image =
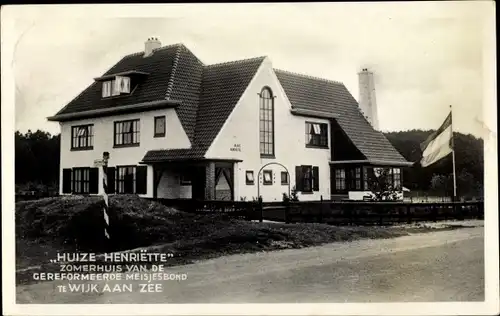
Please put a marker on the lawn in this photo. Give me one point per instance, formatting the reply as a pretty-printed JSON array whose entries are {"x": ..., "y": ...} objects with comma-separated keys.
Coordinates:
[{"x": 75, "y": 224}]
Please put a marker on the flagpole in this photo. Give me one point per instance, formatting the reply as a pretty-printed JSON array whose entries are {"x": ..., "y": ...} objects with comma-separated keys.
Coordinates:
[{"x": 453, "y": 157}]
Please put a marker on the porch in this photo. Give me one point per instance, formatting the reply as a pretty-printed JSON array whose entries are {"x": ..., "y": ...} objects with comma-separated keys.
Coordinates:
[
  {"x": 194, "y": 179},
  {"x": 353, "y": 179}
]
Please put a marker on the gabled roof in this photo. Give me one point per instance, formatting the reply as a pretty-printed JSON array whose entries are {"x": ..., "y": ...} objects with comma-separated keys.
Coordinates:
[
  {"x": 172, "y": 73},
  {"x": 204, "y": 96},
  {"x": 222, "y": 86},
  {"x": 326, "y": 96}
]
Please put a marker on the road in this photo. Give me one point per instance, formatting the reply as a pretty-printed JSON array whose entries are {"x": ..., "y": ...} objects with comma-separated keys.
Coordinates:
[{"x": 438, "y": 266}]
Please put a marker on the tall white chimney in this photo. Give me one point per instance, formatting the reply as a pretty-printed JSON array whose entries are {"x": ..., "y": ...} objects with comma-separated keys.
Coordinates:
[
  {"x": 150, "y": 45},
  {"x": 367, "y": 99}
]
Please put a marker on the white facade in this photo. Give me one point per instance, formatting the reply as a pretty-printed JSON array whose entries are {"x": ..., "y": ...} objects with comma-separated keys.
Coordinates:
[
  {"x": 241, "y": 131},
  {"x": 237, "y": 146},
  {"x": 103, "y": 140}
]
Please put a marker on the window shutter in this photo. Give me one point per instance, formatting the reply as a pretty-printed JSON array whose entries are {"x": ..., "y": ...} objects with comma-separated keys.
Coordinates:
[
  {"x": 141, "y": 179},
  {"x": 315, "y": 173},
  {"x": 94, "y": 180},
  {"x": 111, "y": 179},
  {"x": 66, "y": 183},
  {"x": 299, "y": 179}
]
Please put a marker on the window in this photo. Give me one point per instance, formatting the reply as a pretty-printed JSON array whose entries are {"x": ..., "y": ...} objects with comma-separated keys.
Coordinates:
[
  {"x": 284, "y": 177},
  {"x": 267, "y": 177},
  {"x": 130, "y": 179},
  {"x": 307, "y": 183},
  {"x": 396, "y": 173},
  {"x": 365, "y": 178},
  {"x": 307, "y": 178},
  {"x": 357, "y": 179},
  {"x": 393, "y": 176},
  {"x": 316, "y": 135},
  {"x": 81, "y": 181},
  {"x": 127, "y": 133},
  {"x": 266, "y": 123},
  {"x": 106, "y": 89},
  {"x": 340, "y": 179},
  {"x": 125, "y": 180},
  {"x": 249, "y": 177},
  {"x": 160, "y": 126},
  {"x": 119, "y": 85},
  {"x": 82, "y": 137}
]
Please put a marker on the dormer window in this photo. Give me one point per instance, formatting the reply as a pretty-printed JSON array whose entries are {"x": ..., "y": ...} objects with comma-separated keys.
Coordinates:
[{"x": 118, "y": 86}]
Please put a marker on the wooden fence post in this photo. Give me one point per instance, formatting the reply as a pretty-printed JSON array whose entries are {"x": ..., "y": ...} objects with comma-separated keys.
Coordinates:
[
  {"x": 408, "y": 213},
  {"x": 261, "y": 210},
  {"x": 351, "y": 213},
  {"x": 320, "y": 217},
  {"x": 287, "y": 211},
  {"x": 380, "y": 211}
]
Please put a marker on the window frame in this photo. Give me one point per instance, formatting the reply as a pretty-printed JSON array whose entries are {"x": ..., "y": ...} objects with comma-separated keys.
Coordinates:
[
  {"x": 161, "y": 134},
  {"x": 118, "y": 180},
  {"x": 113, "y": 92},
  {"x": 266, "y": 123},
  {"x": 89, "y": 137},
  {"x": 322, "y": 136},
  {"x": 267, "y": 172},
  {"x": 398, "y": 176},
  {"x": 309, "y": 181},
  {"x": 82, "y": 182},
  {"x": 137, "y": 133},
  {"x": 249, "y": 182},
  {"x": 341, "y": 180},
  {"x": 287, "y": 178},
  {"x": 355, "y": 179},
  {"x": 392, "y": 178}
]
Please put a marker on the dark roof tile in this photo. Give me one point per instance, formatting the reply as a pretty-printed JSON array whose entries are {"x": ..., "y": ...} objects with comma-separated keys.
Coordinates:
[{"x": 310, "y": 93}]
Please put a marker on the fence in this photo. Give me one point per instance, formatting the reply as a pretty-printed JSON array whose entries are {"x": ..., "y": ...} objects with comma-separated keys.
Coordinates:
[
  {"x": 334, "y": 212},
  {"x": 34, "y": 196}
]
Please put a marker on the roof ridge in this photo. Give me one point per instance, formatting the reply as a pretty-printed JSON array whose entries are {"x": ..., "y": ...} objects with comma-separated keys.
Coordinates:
[
  {"x": 309, "y": 76},
  {"x": 179, "y": 45},
  {"x": 191, "y": 52},
  {"x": 235, "y": 61},
  {"x": 174, "y": 68},
  {"x": 154, "y": 50}
]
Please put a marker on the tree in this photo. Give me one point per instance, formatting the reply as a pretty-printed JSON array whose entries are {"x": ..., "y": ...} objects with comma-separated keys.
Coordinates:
[
  {"x": 468, "y": 156},
  {"x": 37, "y": 160}
]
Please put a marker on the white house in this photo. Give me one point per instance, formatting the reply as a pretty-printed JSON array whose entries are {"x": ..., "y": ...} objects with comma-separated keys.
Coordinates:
[{"x": 177, "y": 128}]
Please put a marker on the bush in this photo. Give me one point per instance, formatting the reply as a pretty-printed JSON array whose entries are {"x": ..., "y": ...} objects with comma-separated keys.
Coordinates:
[{"x": 79, "y": 221}]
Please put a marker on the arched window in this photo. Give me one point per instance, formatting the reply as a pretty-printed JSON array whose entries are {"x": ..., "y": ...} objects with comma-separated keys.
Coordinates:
[{"x": 266, "y": 123}]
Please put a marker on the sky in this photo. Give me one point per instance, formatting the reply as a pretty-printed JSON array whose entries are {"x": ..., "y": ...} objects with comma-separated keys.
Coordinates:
[{"x": 425, "y": 56}]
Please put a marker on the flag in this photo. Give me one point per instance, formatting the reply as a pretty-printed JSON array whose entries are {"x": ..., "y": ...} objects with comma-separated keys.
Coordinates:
[{"x": 438, "y": 145}]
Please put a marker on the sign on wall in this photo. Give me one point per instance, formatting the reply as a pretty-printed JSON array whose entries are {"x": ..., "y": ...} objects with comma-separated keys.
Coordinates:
[{"x": 236, "y": 147}]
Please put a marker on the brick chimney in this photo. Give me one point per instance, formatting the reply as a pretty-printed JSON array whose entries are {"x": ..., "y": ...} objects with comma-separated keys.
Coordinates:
[{"x": 150, "y": 45}]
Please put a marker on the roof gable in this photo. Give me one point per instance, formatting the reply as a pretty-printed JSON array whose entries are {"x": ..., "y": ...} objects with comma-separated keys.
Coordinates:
[
  {"x": 222, "y": 86},
  {"x": 310, "y": 93}
]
